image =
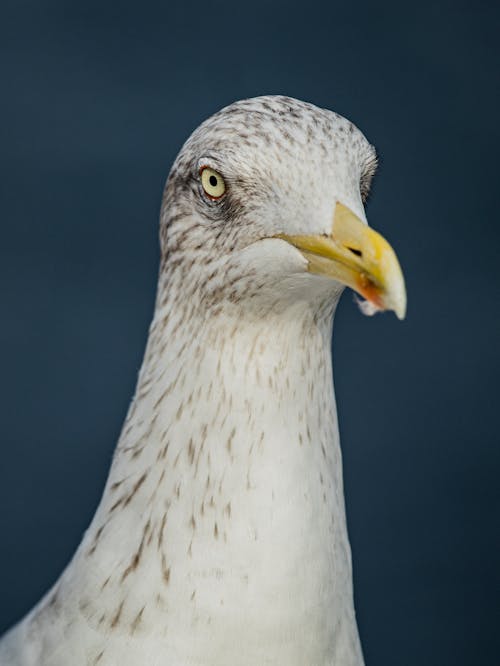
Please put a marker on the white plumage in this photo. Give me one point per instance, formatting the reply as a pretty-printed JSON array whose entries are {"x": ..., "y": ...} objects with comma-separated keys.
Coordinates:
[{"x": 221, "y": 538}]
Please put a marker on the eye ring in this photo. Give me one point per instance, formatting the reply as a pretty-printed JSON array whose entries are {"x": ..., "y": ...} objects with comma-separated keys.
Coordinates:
[{"x": 213, "y": 183}]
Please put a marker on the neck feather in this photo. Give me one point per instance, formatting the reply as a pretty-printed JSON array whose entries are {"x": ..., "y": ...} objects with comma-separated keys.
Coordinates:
[{"x": 225, "y": 494}]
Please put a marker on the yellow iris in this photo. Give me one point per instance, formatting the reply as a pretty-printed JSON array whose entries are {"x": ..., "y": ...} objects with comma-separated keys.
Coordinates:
[{"x": 213, "y": 183}]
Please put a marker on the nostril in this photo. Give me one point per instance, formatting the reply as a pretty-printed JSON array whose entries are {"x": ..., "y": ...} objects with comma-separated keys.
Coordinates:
[{"x": 358, "y": 253}]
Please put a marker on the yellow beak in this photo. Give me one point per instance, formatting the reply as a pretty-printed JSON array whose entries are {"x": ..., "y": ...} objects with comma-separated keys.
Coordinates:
[{"x": 358, "y": 257}]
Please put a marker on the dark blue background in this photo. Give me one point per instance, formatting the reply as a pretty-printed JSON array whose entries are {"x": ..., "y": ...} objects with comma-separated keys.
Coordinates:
[{"x": 96, "y": 100}]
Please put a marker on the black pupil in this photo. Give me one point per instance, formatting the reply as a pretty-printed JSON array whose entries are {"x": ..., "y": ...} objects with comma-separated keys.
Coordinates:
[{"x": 213, "y": 181}]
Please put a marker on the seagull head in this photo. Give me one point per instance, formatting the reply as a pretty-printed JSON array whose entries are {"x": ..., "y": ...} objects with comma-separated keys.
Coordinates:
[{"x": 266, "y": 201}]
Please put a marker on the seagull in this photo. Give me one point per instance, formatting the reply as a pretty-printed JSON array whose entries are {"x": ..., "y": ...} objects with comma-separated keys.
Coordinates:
[{"x": 221, "y": 537}]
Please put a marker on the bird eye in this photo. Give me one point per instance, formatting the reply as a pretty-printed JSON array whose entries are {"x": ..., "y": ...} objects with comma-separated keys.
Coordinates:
[{"x": 212, "y": 182}]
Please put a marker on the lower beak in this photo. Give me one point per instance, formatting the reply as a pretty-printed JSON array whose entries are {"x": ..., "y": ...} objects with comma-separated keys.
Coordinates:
[{"x": 358, "y": 257}]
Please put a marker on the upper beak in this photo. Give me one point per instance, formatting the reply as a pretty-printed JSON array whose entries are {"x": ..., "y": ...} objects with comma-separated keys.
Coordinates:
[{"x": 358, "y": 257}]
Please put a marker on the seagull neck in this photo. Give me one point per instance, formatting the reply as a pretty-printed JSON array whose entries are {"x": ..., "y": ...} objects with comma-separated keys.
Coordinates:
[{"x": 226, "y": 486}]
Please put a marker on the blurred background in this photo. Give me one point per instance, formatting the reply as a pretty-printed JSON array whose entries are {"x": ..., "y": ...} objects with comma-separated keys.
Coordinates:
[{"x": 96, "y": 100}]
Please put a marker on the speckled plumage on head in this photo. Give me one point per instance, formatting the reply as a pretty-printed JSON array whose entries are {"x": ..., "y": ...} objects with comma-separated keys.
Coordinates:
[
  {"x": 221, "y": 539},
  {"x": 276, "y": 154}
]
